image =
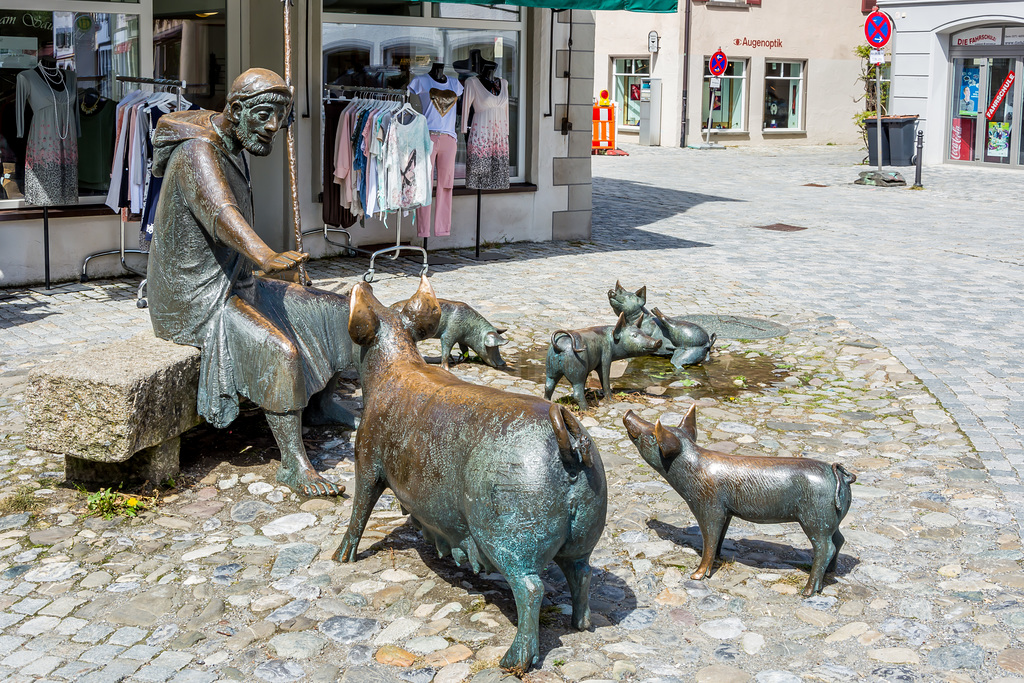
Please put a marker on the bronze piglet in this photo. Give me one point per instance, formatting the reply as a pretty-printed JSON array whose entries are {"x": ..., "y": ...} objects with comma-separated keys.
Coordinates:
[
  {"x": 717, "y": 486},
  {"x": 505, "y": 481},
  {"x": 574, "y": 354},
  {"x": 461, "y": 324},
  {"x": 687, "y": 343}
]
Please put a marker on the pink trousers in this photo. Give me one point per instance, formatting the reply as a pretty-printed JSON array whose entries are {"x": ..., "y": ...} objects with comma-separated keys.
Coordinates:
[{"x": 442, "y": 158}]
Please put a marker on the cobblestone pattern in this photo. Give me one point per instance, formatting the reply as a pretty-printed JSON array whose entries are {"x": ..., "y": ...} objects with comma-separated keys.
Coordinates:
[{"x": 231, "y": 578}]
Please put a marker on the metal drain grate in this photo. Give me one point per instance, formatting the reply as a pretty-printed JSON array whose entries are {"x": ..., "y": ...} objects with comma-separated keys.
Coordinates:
[
  {"x": 780, "y": 227},
  {"x": 737, "y": 327}
]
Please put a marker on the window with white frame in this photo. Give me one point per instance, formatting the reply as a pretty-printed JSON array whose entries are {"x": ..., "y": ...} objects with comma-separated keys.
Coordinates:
[
  {"x": 401, "y": 40},
  {"x": 626, "y": 91},
  {"x": 724, "y": 106},
  {"x": 783, "y": 96},
  {"x": 88, "y": 49}
]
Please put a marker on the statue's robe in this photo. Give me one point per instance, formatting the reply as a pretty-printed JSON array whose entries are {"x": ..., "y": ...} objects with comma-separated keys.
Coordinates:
[{"x": 272, "y": 342}]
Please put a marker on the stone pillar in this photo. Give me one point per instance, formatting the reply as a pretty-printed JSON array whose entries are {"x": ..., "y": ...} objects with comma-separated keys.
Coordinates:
[{"x": 573, "y": 170}]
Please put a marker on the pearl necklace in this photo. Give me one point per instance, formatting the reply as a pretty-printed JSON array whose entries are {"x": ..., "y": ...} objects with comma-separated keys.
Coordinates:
[{"x": 57, "y": 75}]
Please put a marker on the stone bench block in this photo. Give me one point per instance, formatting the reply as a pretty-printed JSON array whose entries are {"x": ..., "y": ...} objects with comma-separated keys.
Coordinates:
[{"x": 125, "y": 402}]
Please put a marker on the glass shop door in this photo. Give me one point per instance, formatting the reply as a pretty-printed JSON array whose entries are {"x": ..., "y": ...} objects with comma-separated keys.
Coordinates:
[{"x": 986, "y": 93}]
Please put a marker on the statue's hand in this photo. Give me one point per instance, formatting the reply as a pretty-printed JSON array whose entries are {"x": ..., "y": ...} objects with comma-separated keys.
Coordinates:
[{"x": 286, "y": 260}]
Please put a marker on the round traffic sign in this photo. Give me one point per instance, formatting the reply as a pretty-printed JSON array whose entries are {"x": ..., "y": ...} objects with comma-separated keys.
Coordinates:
[
  {"x": 719, "y": 62},
  {"x": 878, "y": 29}
]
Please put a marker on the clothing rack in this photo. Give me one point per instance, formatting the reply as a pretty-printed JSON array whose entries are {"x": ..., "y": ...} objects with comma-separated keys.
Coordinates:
[
  {"x": 387, "y": 93},
  {"x": 121, "y": 251}
]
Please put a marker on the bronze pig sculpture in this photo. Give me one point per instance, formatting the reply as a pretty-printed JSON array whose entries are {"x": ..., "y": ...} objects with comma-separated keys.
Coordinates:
[
  {"x": 461, "y": 324},
  {"x": 764, "y": 490},
  {"x": 687, "y": 343},
  {"x": 574, "y": 354},
  {"x": 506, "y": 481}
]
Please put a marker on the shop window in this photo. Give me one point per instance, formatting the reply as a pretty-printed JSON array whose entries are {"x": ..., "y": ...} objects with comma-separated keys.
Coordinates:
[
  {"x": 783, "y": 95},
  {"x": 383, "y": 55},
  {"x": 95, "y": 47},
  {"x": 627, "y": 76},
  {"x": 391, "y": 8},
  {"x": 192, "y": 46},
  {"x": 457, "y": 10},
  {"x": 724, "y": 107}
]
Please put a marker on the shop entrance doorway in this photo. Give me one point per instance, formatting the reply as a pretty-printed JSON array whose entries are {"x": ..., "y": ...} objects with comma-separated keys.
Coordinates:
[{"x": 986, "y": 94}]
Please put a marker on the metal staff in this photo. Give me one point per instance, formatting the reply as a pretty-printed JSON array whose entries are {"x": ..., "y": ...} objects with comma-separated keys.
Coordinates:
[{"x": 292, "y": 170}]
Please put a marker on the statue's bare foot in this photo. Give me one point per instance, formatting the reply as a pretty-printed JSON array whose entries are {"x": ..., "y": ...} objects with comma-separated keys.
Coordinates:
[{"x": 308, "y": 483}]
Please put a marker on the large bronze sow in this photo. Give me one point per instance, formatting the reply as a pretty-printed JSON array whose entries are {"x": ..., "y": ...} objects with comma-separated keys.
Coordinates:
[
  {"x": 504, "y": 481},
  {"x": 718, "y": 486}
]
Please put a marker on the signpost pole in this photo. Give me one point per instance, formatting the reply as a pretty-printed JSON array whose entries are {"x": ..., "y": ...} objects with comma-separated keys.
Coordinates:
[
  {"x": 878, "y": 113},
  {"x": 711, "y": 111}
]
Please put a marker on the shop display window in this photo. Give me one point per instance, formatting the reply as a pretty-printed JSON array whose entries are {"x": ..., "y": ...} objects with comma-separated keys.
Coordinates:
[
  {"x": 726, "y": 107},
  {"x": 783, "y": 95},
  {"x": 627, "y": 77},
  {"x": 390, "y": 56},
  {"x": 95, "y": 47},
  {"x": 192, "y": 46},
  {"x": 457, "y": 10}
]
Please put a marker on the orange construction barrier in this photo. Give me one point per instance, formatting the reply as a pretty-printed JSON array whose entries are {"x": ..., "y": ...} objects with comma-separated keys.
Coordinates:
[{"x": 604, "y": 125}]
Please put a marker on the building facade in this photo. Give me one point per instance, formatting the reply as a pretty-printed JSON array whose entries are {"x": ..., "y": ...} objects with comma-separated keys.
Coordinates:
[
  {"x": 793, "y": 75},
  {"x": 380, "y": 43},
  {"x": 958, "y": 66}
]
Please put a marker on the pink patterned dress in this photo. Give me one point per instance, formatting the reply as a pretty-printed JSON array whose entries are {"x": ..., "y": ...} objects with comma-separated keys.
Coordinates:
[
  {"x": 487, "y": 142},
  {"x": 51, "y": 157}
]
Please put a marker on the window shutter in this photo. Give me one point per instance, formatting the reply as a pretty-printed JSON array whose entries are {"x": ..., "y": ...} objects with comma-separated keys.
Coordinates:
[
  {"x": 754, "y": 3},
  {"x": 867, "y": 5}
]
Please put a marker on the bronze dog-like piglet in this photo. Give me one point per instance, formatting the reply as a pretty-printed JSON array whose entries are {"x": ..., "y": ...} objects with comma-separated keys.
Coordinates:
[
  {"x": 500, "y": 480},
  {"x": 717, "y": 486}
]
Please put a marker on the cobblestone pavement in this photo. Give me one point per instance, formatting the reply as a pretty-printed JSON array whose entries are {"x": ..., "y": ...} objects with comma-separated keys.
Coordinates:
[{"x": 897, "y": 361}]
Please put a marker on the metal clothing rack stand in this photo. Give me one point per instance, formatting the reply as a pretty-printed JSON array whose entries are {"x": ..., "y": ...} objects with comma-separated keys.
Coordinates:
[
  {"x": 486, "y": 256},
  {"x": 121, "y": 251},
  {"x": 351, "y": 250}
]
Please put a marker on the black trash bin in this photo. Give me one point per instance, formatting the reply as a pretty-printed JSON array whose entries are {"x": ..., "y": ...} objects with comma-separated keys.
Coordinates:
[
  {"x": 902, "y": 141},
  {"x": 872, "y": 131}
]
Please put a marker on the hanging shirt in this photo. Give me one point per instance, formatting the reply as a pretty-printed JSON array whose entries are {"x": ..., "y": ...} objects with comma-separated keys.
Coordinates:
[
  {"x": 407, "y": 170},
  {"x": 437, "y": 101}
]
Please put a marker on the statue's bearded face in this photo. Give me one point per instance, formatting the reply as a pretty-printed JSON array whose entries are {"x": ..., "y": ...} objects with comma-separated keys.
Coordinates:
[{"x": 257, "y": 121}]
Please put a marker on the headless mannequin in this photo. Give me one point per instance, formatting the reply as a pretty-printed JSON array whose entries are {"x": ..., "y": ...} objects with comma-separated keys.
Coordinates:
[
  {"x": 437, "y": 72},
  {"x": 45, "y": 68},
  {"x": 487, "y": 77}
]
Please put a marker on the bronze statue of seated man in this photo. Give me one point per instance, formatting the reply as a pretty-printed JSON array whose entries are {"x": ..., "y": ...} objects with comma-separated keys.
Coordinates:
[{"x": 276, "y": 343}]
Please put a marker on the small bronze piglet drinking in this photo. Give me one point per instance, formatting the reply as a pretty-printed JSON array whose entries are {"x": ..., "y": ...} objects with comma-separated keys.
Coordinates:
[
  {"x": 503, "y": 481},
  {"x": 461, "y": 324},
  {"x": 687, "y": 343},
  {"x": 574, "y": 354},
  {"x": 717, "y": 486}
]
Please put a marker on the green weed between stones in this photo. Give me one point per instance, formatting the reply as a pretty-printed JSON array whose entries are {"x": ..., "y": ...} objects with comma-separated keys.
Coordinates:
[
  {"x": 21, "y": 500},
  {"x": 109, "y": 504}
]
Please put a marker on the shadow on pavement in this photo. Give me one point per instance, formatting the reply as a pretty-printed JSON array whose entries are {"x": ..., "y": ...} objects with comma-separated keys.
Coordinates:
[
  {"x": 624, "y": 205},
  {"x": 609, "y": 594},
  {"x": 751, "y": 552}
]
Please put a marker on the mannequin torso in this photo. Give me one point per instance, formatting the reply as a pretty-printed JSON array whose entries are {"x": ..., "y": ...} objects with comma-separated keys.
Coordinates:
[{"x": 437, "y": 72}]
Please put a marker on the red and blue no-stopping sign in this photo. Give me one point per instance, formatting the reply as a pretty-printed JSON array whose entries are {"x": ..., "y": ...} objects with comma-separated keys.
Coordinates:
[
  {"x": 878, "y": 29},
  {"x": 719, "y": 62}
]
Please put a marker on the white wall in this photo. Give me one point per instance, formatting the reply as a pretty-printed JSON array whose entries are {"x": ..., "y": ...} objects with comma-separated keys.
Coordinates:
[{"x": 921, "y": 62}]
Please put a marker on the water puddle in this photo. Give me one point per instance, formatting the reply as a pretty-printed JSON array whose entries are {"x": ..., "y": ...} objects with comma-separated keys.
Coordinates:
[{"x": 725, "y": 375}]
